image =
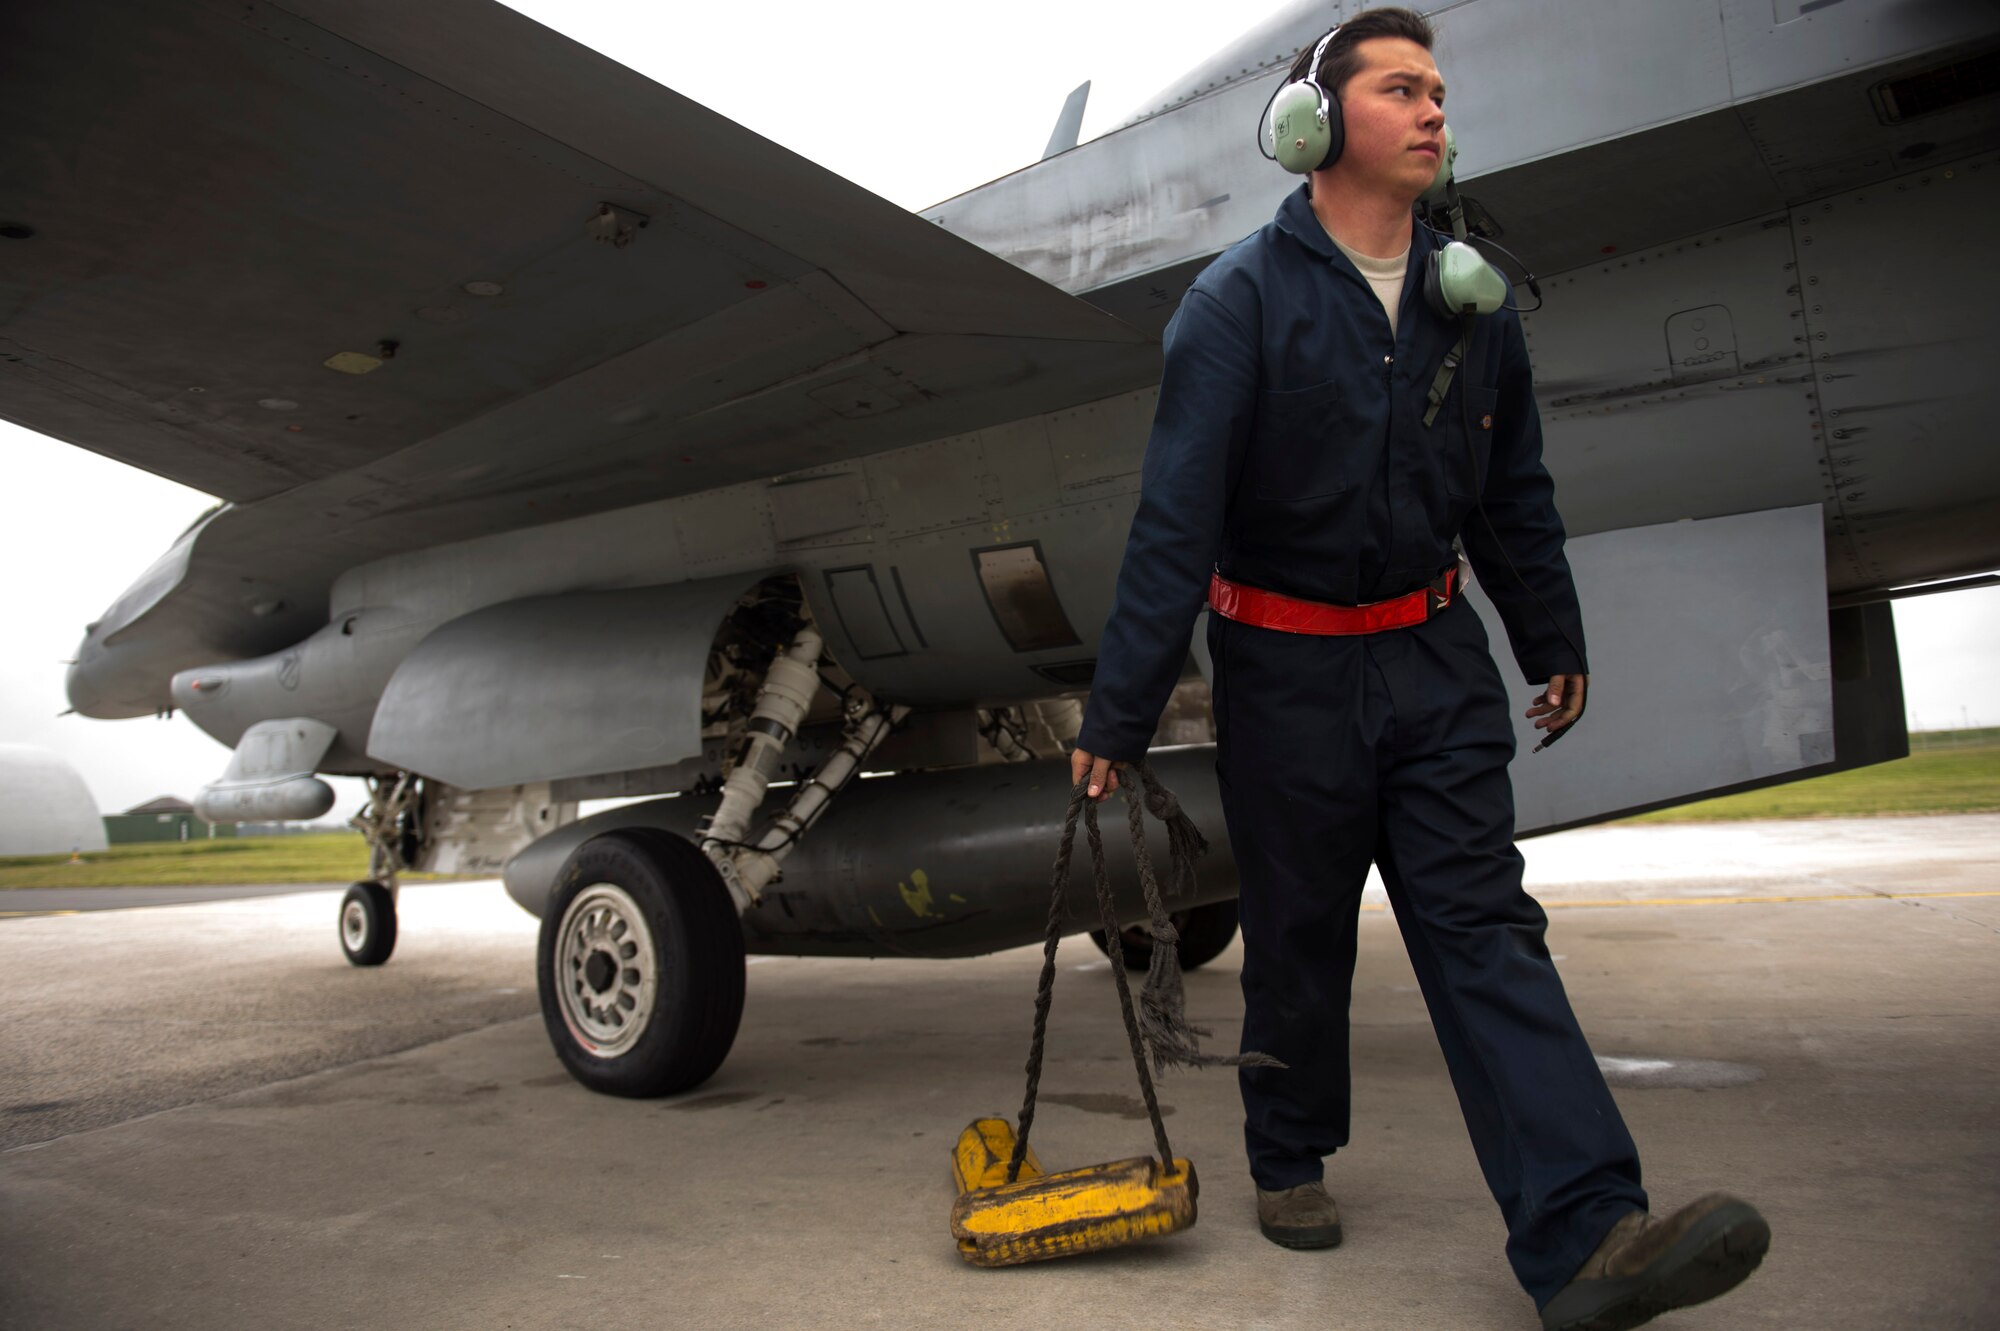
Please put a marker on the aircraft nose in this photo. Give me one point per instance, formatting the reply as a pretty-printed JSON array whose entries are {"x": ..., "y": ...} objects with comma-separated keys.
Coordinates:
[
  {"x": 81, "y": 682},
  {"x": 103, "y": 683}
]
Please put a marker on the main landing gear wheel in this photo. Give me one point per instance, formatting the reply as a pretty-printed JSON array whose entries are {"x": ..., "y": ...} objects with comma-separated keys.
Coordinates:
[
  {"x": 368, "y": 924},
  {"x": 1205, "y": 931},
  {"x": 640, "y": 965}
]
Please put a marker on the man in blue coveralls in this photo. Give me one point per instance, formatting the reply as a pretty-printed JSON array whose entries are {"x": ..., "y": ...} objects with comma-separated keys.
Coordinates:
[{"x": 1301, "y": 481}]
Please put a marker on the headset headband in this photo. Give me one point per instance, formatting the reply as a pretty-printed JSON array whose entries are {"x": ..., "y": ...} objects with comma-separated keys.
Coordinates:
[
  {"x": 1312, "y": 70},
  {"x": 1294, "y": 90}
]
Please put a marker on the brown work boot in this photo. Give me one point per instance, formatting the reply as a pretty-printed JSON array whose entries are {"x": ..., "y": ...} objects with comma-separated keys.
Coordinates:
[
  {"x": 1648, "y": 1264},
  {"x": 1301, "y": 1217}
]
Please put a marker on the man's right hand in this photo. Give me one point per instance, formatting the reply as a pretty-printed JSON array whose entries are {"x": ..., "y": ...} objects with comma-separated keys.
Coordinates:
[{"x": 1103, "y": 773}]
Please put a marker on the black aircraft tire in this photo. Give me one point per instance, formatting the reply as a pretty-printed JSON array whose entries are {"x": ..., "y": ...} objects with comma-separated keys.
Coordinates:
[
  {"x": 619, "y": 900},
  {"x": 367, "y": 924},
  {"x": 1205, "y": 932}
]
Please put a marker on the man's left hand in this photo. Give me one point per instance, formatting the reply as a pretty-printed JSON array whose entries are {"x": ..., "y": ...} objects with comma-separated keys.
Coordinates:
[{"x": 1559, "y": 704}]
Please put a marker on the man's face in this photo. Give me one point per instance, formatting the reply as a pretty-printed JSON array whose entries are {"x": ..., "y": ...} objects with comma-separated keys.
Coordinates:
[{"x": 1393, "y": 109}]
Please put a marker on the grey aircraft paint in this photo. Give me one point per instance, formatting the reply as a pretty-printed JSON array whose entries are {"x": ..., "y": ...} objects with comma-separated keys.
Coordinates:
[{"x": 615, "y": 351}]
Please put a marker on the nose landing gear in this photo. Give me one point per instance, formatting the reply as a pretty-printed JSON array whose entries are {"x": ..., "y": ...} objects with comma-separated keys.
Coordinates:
[{"x": 391, "y": 821}]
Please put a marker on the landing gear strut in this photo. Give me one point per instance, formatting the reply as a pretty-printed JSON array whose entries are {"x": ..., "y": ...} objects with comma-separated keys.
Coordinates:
[
  {"x": 640, "y": 964},
  {"x": 747, "y": 866},
  {"x": 391, "y": 820}
]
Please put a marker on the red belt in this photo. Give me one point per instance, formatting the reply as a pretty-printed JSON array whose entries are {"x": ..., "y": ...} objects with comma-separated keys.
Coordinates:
[{"x": 1289, "y": 614}]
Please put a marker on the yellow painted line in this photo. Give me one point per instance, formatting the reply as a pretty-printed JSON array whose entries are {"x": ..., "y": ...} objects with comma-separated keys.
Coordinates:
[
  {"x": 1739, "y": 901},
  {"x": 16, "y": 914}
]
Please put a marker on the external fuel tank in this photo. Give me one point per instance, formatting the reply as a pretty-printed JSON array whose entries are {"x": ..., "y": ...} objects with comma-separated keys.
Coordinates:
[{"x": 932, "y": 864}]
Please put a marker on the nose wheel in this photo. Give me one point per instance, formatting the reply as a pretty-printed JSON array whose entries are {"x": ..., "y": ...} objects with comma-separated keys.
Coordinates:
[
  {"x": 368, "y": 924},
  {"x": 392, "y": 822}
]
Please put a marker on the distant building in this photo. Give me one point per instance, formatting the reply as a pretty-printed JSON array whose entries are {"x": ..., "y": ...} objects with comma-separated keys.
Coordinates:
[
  {"x": 168, "y": 818},
  {"x": 45, "y": 809}
]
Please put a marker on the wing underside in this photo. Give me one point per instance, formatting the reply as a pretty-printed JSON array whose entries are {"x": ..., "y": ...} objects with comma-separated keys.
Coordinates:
[{"x": 381, "y": 275}]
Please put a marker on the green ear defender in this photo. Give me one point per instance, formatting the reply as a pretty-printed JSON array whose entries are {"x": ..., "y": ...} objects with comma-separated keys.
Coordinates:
[
  {"x": 1304, "y": 131},
  {"x": 1457, "y": 278},
  {"x": 1434, "y": 196}
]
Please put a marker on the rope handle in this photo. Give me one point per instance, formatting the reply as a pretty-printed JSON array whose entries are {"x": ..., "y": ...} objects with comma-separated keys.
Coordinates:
[{"x": 1160, "y": 1020}]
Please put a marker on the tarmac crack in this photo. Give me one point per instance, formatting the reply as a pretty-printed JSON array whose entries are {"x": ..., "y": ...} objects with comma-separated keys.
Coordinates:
[{"x": 1949, "y": 914}]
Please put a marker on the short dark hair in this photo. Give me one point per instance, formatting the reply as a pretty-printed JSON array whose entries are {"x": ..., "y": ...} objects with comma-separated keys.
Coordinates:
[{"x": 1340, "y": 63}]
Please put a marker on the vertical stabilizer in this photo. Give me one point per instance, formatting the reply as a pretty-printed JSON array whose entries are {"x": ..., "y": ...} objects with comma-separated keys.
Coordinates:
[{"x": 1069, "y": 124}]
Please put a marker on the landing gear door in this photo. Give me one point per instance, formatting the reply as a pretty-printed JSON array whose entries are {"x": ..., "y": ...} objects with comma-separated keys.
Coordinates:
[{"x": 1712, "y": 667}]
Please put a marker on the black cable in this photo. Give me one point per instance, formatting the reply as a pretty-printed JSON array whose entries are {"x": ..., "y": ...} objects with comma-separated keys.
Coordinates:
[
  {"x": 1262, "y": 151},
  {"x": 1479, "y": 502}
]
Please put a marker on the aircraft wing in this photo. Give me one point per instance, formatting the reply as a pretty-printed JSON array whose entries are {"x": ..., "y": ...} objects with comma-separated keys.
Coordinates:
[{"x": 385, "y": 275}]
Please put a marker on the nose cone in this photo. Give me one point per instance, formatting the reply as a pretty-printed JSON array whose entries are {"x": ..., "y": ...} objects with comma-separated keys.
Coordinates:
[
  {"x": 84, "y": 694},
  {"x": 110, "y": 684},
  {"x": 90, "y": 690}
]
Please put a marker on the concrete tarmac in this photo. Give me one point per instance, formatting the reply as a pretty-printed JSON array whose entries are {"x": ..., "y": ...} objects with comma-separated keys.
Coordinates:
[{"x": 1803, "y": 1013}]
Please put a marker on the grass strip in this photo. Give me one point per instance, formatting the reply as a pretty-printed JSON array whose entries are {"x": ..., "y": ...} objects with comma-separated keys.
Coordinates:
[
  {"x": 1940, "y": 778},
  {"x": 330, "y": 857}
]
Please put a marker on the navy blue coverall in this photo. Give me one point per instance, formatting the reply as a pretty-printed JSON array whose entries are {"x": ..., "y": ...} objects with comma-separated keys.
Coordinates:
[{"x": 1290, "y": 453}]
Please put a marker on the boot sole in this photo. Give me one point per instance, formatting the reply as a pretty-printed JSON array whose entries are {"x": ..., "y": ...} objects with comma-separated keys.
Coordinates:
[
  {"x": 1302, "y": 1236},
  {"x": 1712, "y": 1258}
]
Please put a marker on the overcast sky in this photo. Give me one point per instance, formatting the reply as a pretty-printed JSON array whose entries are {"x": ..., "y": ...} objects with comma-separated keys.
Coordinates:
[{"x": 915, "y": 101}]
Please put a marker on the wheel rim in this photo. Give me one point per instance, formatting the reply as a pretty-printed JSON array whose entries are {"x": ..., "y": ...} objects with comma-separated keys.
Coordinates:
[
  {"x": 605, "y": 970},
  {"x": 354, "y": 926}
]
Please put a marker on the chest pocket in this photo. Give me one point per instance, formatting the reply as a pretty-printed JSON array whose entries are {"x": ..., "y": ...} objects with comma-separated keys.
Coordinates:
[
  {"x": 1480, "y": 404},
  {"x": 1295, "y": 445}
]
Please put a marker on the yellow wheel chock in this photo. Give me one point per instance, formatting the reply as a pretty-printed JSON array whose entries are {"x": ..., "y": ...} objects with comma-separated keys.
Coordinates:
[
  {"x": 1040, "y": 1215},
  {"x": 1009, "y": 1211}
]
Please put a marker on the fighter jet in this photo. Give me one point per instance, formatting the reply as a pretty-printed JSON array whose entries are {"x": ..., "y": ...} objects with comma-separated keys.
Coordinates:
[{"x": 577, "y": 443}]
